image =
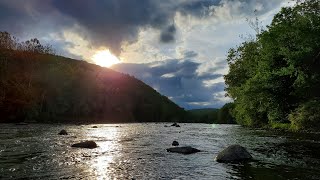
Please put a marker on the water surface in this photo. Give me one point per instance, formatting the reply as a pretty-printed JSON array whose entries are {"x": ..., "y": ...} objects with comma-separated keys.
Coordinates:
[{"x": 138, "y": 151}]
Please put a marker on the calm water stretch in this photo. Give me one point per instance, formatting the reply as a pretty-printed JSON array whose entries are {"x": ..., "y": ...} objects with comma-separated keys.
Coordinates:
[{"x": 138, "y": 151}]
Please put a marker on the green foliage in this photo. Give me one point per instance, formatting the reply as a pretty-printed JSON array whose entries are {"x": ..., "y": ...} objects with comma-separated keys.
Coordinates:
[
  {"x": 276, "y": 73},
  {"x": 306, "y": 116},
  {"x": 224, "y": 115},
  {"x": 202, "y": 115},
  {"x": 216, "y": 116},
  {"x": 38, "y": 86}
]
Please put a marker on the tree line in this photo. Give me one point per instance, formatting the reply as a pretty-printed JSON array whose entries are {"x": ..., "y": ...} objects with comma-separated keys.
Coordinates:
[{"x": 274, "y": 79}]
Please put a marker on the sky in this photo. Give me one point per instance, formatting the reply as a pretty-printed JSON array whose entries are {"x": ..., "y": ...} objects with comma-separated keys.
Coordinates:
[{"x": 178, "y": 47}]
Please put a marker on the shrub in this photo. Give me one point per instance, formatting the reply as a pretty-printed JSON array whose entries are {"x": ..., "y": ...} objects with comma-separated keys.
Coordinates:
[{"x": 306, "y": 116}]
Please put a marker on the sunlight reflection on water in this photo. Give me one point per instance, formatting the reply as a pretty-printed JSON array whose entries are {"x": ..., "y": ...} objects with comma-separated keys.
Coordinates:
[{"x": 108, "y": 144}]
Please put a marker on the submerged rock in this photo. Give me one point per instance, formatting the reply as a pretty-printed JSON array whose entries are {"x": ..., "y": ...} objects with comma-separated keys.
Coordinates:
[
  {"x": 175, "y": 143},
  {"x": 183, "y": 150},
  {"x": 233, "y": 153},
  {"x": 85, "y": 144},
  {"x": 63, "y": 132},
  {"x": 94, "y": 126}
]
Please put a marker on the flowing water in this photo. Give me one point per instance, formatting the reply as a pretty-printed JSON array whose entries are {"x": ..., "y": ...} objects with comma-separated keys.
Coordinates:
[{"x": 138, "y": 151}]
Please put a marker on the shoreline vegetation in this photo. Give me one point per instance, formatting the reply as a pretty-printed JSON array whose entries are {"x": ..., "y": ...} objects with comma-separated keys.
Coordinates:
[{"x": 274, "y": 78}]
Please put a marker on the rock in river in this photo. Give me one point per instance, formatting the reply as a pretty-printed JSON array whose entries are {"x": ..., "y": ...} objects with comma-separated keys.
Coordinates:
[
  {"x": 174, "y": 124},
  {"x": 85, "y": 144},
  {"x": 183, "y": 150},
  {"x": 94, "y": 126},
  {"x": 233, "y": 153},
  {"x": 21, "y": 124},
  {"x": 63, "y": 132},
  {"x": 175, "y": 143}
]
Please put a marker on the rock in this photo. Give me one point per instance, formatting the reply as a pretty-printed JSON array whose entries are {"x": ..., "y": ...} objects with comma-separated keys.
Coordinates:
[
  {"x": 165, "y": 126},
  {"x": 233, "y": 153},
  {"x": 21, "y": 124},
  {"x": 94, "y": 126},
  {"x": 63, "y": 132},
  {"x": 175, "y": 143},
  {"x": 85, "y": 144},
  {"x": 174, "y": 124},
  {"x": 183, "y": 150}
]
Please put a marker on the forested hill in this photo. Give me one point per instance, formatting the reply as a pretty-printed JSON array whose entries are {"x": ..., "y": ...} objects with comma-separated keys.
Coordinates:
[
  {"x": 37, "y": 86},
  {"x": 212, "y": 115}
]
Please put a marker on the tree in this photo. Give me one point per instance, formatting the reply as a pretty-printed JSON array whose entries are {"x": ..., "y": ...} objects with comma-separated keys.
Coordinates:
[{"x": 274, "y": 74}]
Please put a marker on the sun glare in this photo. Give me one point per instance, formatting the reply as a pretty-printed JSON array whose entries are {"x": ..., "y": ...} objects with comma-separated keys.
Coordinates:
[{"x": 105, "y": 58}]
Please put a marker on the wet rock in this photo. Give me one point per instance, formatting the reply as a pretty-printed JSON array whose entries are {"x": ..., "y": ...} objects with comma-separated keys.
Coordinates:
[
  {"x": 165, "y": 126},
  {"x": 94, "y": 126},
  {"x": 183, "y": 150},
  {"x": 233, "y": 153},
  {"x": 175, "y": 143},
  {"x": 63, "y": 132},
  {"x": 21, "y": 124},
  {"x": 85, "y": 144},
  {"x": 174, "y": 124}
]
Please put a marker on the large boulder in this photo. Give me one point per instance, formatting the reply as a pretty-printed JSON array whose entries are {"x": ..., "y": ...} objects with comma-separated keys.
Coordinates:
[
  {"x": 63, "y": 132},
  {"x": 85, "y": 144},
  {"x": 175, "y": 143},
  {"x": 233, "y": 153},
  {"x": 183, "y": 150}
]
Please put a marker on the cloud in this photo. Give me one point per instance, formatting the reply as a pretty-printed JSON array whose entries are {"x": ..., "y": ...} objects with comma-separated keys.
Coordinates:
[
  {"x": 189, "y": 54},
  {"x": 179, "y": 80},
  {"x": 111, "y": 23},
  {"x": 194, "y": 34},
  {"x": 168, "y": 34}
]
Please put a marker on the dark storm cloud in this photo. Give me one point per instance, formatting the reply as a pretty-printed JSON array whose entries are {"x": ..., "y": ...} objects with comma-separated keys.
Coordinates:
[
  {"x": 168, "y": 34},
  {"x": 178, "y": 80},
  {"x": 108, "y": 22},
  {"x": 197, "y": 8}
]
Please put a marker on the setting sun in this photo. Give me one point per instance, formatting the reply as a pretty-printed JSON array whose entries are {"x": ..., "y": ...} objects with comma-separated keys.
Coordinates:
[{"x": 105, "y": 58}]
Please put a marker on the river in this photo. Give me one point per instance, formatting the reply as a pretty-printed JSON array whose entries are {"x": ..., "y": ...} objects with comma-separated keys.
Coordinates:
[{"x": 138, "y": 151}]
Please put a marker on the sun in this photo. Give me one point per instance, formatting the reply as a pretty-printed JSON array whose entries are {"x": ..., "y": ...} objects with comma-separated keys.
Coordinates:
[{"x": 105, "y": 58}]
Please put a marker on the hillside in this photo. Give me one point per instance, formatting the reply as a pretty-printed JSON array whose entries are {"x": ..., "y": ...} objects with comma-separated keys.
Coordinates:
[
  {"x": 46, "y": 88},
  {"x": 212, "y": 115}
]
